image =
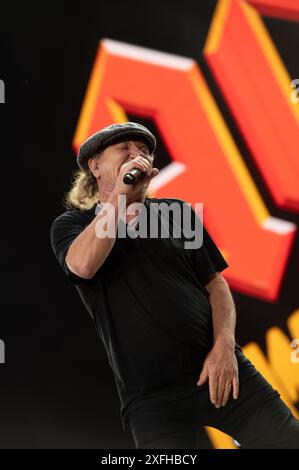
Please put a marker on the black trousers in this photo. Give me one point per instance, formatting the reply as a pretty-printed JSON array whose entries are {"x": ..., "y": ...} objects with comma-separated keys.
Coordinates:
[{"x": 258, "y": 419}]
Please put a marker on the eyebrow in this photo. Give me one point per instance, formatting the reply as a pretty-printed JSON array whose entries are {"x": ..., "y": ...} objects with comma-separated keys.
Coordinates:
[
  {"x": 126, "y": 141},
  {"x": 143, "y": 144}
]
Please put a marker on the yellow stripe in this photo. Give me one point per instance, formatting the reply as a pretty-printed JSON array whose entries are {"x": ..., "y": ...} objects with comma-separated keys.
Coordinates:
[
  {"x": 117, "y": 112},
  {"x": 216, "y": 29},
  {"x": 89, "y": 102},
  {"x": 225, "y": 254},
  {"x": 280, "y": 73},
  {"x": 229, "y": 148},
  {"x": 219, "y": 439}
]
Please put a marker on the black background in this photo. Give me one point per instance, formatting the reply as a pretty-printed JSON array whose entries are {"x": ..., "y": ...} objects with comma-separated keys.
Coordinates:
[{"x": 57, "y": 389}]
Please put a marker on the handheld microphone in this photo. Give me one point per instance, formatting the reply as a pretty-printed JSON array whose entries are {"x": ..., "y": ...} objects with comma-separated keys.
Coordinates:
[{"x": 133, "y": 176}]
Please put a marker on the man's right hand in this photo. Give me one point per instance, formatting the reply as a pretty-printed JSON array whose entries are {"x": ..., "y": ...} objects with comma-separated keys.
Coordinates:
[{"x": 135, "y": 192}]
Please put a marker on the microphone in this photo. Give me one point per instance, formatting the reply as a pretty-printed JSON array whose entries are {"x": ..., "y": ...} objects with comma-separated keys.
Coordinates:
[{"x": 133, "y": 176}]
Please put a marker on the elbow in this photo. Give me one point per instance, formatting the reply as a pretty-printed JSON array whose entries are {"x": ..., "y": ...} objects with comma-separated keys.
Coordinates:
[
  {"x": 85, "y": 273},
  {"x": 78, "y": 268}
]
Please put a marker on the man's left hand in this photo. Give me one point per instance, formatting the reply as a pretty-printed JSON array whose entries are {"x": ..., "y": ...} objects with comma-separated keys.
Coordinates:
[{"x": 221, "y": 370}]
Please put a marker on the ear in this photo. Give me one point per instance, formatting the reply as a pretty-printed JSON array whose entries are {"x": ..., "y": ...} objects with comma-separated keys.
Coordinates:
[{"x": 93, "y": 164}]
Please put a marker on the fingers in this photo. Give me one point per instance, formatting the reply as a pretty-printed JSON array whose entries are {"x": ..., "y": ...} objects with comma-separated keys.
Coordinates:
[
  {"x": 225, "y": 392},
  {"x": 226, "y": 386},
  {"x": 143, "y": 164},
  {"x": 144, "y": 182},
  {"x": 221, "y": 387},
  {"x": 138, "y": 162},
  {"x": 220, "y": 390},
  {"x": 213, "y": 387},
  {"x": 203, "y": 377},
  {"x": 155, "y": 171},
  {"x": 235, "y": 383}
]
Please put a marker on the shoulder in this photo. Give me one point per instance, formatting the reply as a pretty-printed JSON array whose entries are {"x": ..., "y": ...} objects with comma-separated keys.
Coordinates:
[
  {"x": 75, "y": 215},
  {"x": 72, "y": 218},
  {"x": 66, "y": 218}
]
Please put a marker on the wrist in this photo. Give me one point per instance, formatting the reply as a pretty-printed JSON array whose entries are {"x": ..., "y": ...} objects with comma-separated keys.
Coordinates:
[{"x": 225, "y": 339}]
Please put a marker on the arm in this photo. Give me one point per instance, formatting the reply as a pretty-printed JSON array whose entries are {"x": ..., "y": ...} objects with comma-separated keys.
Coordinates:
[
  {"x": 223, "y": 310},
  {"x": 88, "y": 251},
  {"x": 220, "y": 366}
]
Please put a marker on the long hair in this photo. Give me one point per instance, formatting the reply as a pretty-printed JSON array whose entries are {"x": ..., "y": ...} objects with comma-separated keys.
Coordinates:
[{"x": 84, "y": 191}]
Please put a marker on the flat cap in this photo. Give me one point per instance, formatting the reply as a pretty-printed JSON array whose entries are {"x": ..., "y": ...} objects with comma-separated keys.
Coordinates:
[{"x": 111, "y": 135}]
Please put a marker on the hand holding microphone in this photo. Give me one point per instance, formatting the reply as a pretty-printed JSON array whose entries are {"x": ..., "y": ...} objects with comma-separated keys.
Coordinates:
[
  {"x": 134, "y": 177},
  {"x": 136, "y": 174}
]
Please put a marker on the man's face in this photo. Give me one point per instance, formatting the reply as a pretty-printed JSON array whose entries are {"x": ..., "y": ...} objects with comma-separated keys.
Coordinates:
[{"x": 113, "y": 157}]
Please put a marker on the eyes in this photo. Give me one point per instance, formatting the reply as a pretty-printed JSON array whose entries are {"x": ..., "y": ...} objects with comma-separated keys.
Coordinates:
[{"x": 142, "y": 147}]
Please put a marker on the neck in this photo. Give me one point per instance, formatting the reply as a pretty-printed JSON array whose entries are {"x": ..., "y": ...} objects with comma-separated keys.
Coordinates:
[{"x": 105, "y": 190}]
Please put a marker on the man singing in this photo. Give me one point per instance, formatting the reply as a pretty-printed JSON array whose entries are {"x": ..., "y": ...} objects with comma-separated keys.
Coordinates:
[{"x": 163, "y": 310}]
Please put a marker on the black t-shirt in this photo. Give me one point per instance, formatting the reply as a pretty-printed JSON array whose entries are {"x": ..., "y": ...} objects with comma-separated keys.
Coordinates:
[{"x": 148, "y": 302}]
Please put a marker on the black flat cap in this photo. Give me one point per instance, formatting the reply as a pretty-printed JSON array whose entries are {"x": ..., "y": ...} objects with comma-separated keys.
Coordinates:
[{"x": 111, "y": 135}]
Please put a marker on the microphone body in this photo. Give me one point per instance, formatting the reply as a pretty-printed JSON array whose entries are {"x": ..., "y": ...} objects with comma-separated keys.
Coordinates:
[{"x": 133, "y": 176}]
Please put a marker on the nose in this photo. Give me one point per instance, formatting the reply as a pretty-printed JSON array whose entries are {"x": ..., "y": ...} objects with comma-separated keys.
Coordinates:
[{"x": 135, "y": 152}]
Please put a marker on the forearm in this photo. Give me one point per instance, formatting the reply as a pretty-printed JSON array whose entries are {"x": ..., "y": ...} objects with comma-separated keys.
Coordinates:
[
  {"x": 89, "y": 250},
  {"x": 223, "y": 313},
  {"x": 221, "y": 366}
]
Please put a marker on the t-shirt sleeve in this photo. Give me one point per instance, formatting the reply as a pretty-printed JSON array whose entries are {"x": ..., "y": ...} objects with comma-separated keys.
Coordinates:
[
  {"x": 63, "y": 232},
  {"x": 207, "y": 258}
]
